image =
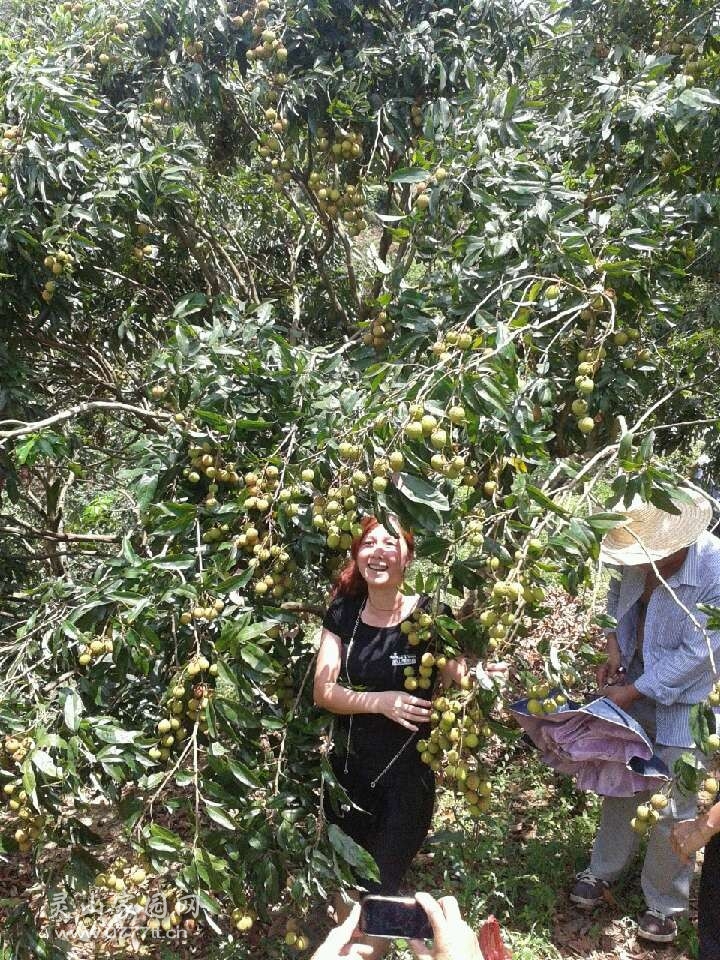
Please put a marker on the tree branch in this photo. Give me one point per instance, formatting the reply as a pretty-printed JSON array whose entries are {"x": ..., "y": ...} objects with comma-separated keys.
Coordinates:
[
  {"x": 151, "y": 420},
  {"x": 61, "y": 537}
]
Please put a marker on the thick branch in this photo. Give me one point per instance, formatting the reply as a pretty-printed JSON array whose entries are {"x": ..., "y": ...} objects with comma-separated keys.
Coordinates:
[
  {"x": 151, "y": 420},
  {"x": 60, "y": 537}
]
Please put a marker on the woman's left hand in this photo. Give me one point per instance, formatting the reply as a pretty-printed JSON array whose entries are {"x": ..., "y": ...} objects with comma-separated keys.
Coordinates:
[{"x": 453, "y": 672}]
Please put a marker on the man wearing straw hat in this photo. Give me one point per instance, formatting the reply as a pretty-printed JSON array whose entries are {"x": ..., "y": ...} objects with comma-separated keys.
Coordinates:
[{"x": 658, "y": 666}]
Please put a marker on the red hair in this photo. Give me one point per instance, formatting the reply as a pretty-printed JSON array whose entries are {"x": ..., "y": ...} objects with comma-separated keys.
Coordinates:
[{"x": 350, "y": 582}]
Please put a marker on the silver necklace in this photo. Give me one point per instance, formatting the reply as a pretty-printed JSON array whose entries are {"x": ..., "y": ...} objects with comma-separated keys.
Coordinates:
[{"x": 395, "y": 607}]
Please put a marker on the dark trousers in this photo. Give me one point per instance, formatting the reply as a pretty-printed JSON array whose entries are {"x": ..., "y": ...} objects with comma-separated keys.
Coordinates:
[
  {"x": 709, "y": 902},
  {"x": 394, "y": 816}
]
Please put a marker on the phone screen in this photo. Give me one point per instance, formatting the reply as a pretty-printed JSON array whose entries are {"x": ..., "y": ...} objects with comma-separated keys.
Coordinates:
[{"x": 394, "y": 917}]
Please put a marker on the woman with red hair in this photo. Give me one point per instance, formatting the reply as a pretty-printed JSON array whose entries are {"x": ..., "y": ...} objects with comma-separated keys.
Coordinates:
[{"x": 360, "y": 676}]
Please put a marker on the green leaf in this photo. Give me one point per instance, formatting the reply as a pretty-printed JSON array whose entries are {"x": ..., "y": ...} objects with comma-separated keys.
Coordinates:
[
  {"x": 163, "y": 840},
  {"x": 352, "y": 852},
  {"x": 688, "y": 772},
  {"x": 702, "y": 724},
  {"x": 662, "y": 499},
  {"x": 604, "y": 521},
  {"x": 190, "y": 304},
  {"x": 409, "y": 175},
  {"x": 420, "y": 491},
  {"x": 625, "y": 447},
  {"x": 646, "y": 447},
  {"x": 72, "y": 710},
  {"x": 45, "y": 763},
  {"x": 219, "y": 816},
  {"x": 539, "y": 497},
  {"x": 242, "y": 773},
  {"x": 699, "y": 98},
  {"x": 208, "y": 903}
]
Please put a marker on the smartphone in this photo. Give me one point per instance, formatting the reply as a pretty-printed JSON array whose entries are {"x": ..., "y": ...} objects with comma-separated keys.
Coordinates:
[{"x": 394, "y": 917}]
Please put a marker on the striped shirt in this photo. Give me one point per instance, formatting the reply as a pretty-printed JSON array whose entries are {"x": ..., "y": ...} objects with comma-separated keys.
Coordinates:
[{"x": 677, "y": 672}]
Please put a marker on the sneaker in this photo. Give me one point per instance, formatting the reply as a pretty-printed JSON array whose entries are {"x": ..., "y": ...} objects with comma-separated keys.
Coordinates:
[
  {"x": 589, "y": 891},
  {"x": 654, "y": 926}
]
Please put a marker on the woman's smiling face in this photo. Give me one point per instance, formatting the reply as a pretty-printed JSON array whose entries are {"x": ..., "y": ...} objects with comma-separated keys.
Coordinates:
[{"x": 381, "y": 558}]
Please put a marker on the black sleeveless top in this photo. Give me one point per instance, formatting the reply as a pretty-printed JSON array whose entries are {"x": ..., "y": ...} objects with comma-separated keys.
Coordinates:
[{"x": 375, "y": 661}]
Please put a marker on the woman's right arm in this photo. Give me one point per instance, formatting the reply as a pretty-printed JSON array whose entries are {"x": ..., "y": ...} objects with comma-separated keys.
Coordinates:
[{"x": 401, "y": 707}]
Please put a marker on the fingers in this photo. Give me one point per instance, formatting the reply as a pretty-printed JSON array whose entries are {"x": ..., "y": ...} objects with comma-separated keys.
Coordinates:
[
  {"x": 433, "y": 910},
  {"x": 356, "y": 950},
  {"x": 343, "y": 934},
  {"x": 409, "y": 709},
  {"x": 414, "y": 703},
  {"x": 407, "y": 725},
  {"x": 451, "y": 909}
]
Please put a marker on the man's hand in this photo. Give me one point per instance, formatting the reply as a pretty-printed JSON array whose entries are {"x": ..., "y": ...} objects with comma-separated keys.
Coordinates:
[
  {"x": 452, "y": 937},
  {"x": 340, "y": 944},
  {"x": 622, "y": 697},
  {"x": 607, "y": 671}
]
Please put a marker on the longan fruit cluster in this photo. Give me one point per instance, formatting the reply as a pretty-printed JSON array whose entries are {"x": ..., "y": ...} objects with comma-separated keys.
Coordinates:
[
  {"x": 474, "y": 529},
  {"x": 378, "y": 330},
  {"x": 336, "y": 515},
  {"x": 211, "y": 610},
  {"x": 140, "y": 253},
  {"x": 707, "y": 794},
  {"x": 122, "y": 875},
  {"x": 456, "y": 340},
  {"x": 459, "y": 729},
  {"x": 161, "y": 102},
  {"x": 266, "y": 556},
  {"x": 542, "y": 700},
  {"x": 589, "y": 361},
  {"x": 508, "y": 598},
  {"x": 205, "y": 461},
  {"x": 28, "y": 824},
  {"x": 418, "y": 628},
  {"x": 177, "y": 905},
  {"x": 94, "y": 650},
  {"x": 260, "y": 486},
  {"x": 186, "y": 700},
  {"x": 270, "y": 46},
  {"x": 424, "y": 425},
  {"x": 339, "y": 202},
  {"x": 423, "y": 679},
  {"x": 648, "y": 814},
  {"x": 295, "y": 936},
  {"x": 14, "y": 749},
  {"x": 416, "y": 114},
  {"x": 58, "y": 264}
]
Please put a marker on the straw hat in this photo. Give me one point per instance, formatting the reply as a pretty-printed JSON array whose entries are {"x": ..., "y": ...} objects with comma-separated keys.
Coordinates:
[{"x": 649, "y": 533}]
